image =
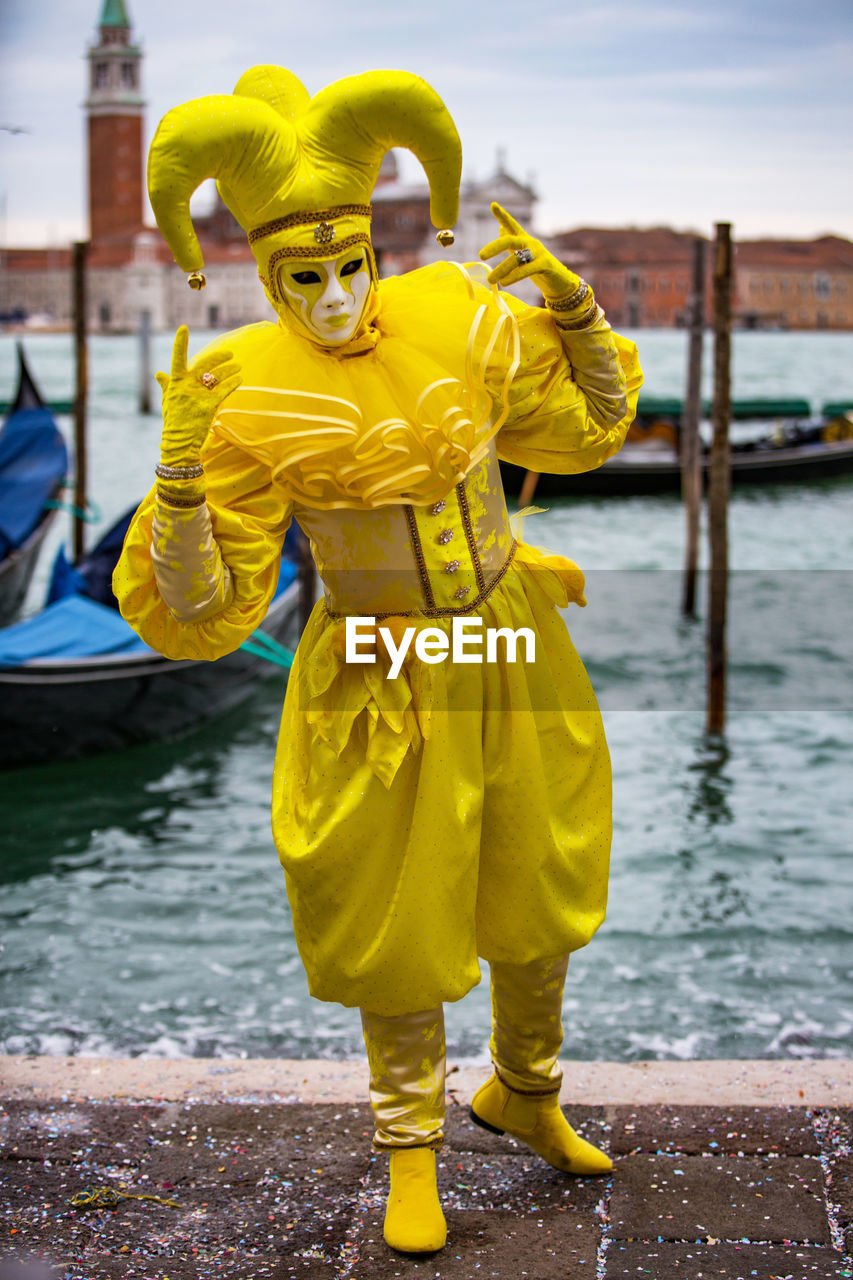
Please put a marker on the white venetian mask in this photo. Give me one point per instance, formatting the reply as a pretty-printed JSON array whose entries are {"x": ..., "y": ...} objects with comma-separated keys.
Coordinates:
[{"x": 328, "y": 297}]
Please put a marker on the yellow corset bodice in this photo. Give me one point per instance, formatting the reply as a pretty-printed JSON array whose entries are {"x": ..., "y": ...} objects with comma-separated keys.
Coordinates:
[{"x": 434, "y": 560}]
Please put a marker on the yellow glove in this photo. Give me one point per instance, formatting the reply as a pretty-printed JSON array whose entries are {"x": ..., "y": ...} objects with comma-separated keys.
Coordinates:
[
  {"x": 555, "y": 281},
  {"x": 191, "y": 397}
]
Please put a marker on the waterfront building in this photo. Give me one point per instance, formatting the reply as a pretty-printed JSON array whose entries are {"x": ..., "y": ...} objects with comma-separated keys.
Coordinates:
[
  {"x": 795, "y": 284},
  {"x": 641, "y": 277}
]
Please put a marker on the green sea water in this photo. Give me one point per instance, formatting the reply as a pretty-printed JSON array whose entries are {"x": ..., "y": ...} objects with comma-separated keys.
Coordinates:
[{"x": 143, "y": 908}]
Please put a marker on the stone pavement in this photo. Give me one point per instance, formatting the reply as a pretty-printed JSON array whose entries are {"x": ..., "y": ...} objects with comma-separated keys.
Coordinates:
[{"x": 292, "y": 1189}]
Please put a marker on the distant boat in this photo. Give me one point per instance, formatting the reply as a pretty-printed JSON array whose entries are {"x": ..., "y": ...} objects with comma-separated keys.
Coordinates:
[
  {"x": 801, "y": 450},
  {"x": 33, "y": 466}
]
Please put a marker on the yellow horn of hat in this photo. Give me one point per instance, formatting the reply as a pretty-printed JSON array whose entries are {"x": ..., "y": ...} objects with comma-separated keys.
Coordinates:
[
  {"x": 278, "y": 87},
  {"x": 348, "y": 128},
  {"x": 241, "y": 141},
  {"x": 278, "y": 154}
]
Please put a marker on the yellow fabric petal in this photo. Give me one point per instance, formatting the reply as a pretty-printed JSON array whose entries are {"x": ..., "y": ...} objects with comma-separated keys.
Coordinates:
[
  {"x": 554, "y": 575},
  {"x": 342, "y": 701}
]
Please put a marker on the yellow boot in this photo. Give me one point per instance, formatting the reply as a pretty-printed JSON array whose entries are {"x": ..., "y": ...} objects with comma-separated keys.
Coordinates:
[
  {"x": 538, "y": 1122},
  {"x": 407, "y": 1068},
  {"x": 414, "y": 1222},
  {"x": 523, "y": 1096}
]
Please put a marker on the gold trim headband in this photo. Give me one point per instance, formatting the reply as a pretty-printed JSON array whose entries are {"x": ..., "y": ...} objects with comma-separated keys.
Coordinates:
[
  {"x": 322, "y": 217},
  {"x": 270, "y": 281}
]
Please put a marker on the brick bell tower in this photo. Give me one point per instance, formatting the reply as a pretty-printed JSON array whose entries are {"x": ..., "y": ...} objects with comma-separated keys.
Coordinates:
[{"x": 115, "y": 111}]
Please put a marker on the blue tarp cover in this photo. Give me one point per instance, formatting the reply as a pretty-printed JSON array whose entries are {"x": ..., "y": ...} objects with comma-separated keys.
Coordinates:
[
  {"x": 77, "y": 627},
  {"x": 33, "y": 459},
  {"x": 71, "y": 628}
]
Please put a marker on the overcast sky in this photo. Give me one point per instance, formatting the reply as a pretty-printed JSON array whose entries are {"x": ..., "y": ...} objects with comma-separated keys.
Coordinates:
[{"x": 643, "y": 113}]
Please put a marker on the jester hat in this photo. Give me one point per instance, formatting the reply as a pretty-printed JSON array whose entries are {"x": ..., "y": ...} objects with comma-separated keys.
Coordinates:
[{"x": 297, "y": 172}]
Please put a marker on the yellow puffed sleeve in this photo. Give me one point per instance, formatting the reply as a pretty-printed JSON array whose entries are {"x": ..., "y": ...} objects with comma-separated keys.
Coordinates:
[
  {"x": 573, "y": 397},
  {"x": 249, "y": 518}
]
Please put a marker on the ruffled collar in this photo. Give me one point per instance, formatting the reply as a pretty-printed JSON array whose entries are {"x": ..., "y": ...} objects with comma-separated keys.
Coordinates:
[{"x": 404, "y": 424}]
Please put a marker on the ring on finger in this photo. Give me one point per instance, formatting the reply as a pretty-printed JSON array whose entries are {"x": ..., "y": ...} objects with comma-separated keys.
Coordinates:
[
  {"x": 523, "y": 256},
  {"x": 210, "y": 380}
]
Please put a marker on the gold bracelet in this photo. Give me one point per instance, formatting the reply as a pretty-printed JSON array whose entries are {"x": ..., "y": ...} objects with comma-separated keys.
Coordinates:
[
  {"x": 589, "y": 318},
  {"x": 162, "y": 472},
  {"x": 179, "y": 500},
  {"x": 571, "y": 300}
]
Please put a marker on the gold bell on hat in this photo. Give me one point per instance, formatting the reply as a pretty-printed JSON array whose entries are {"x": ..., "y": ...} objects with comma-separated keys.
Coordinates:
[
  {"x": 445, "y": 238},
  {"x": 196, "y": 280}
]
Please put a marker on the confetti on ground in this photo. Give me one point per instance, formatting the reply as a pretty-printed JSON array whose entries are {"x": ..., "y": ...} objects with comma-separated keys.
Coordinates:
[{"x": 200, "y": 1190}]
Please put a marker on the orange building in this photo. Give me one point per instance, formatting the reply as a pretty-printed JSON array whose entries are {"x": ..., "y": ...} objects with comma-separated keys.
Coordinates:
[
  {"x": 795, "y": 284},
  {"x": 642, "y": 278}
]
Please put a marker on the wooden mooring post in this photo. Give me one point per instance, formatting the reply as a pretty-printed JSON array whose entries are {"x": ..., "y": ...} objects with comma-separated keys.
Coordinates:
[
  {"x": 144, "y": 332},
  {"x": 528, "y": 488},
  {"x": 691, "y": 452},
  {"x": 718, "y": 483},
  {"x": 81, "y": 391}
]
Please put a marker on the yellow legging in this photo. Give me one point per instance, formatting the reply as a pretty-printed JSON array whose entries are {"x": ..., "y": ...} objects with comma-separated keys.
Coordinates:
[{"x": 406, "y": 1054}]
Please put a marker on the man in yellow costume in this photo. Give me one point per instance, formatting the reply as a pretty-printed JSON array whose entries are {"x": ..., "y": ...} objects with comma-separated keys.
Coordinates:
[{"x": 458, "y": 809}]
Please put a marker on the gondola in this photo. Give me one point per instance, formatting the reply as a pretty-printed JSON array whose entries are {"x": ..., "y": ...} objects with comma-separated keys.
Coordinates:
[
  {"x": 33, "y": 465},
  {"x": 75, "y": 680},
  {"x": 799, "y": 451}
]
